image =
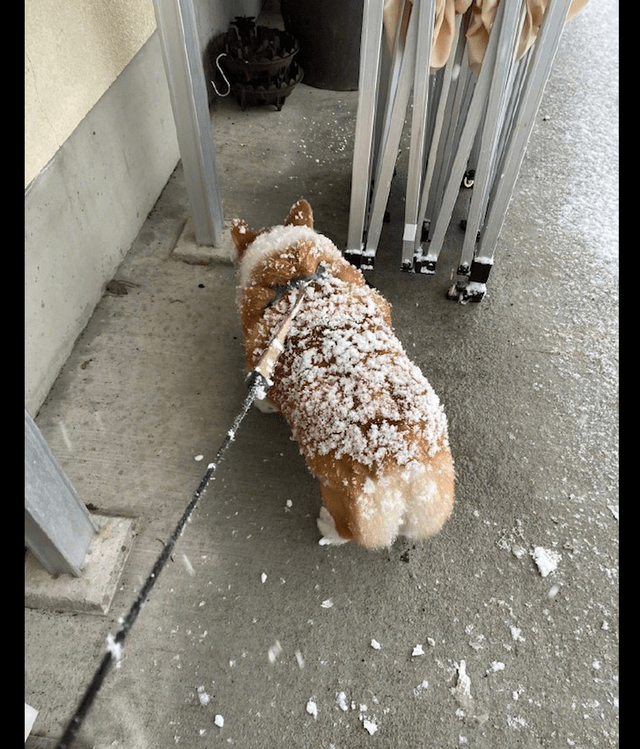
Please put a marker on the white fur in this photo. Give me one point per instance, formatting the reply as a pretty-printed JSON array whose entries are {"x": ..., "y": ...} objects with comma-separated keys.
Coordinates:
[
  {"x": 327, "y": 528},
  {"x": 265, "y": 406},
  {"x": 405, "y": 503},
  {"x": 278, "y": 238}
]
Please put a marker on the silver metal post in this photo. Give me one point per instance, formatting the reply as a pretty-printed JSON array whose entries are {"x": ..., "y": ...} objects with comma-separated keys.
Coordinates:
[
  {"x": 421, "y": 80},
  {"x": 370, "y": 44},
  {"x": 177, "y": 27},
  {"x": 58, "y": 527},
  {"x": 545, "y": 49},
  {"x": 491, "y": 129},
  {"x": 389, "y": 154},
  {"x": 465, "y": 144},
  {"x": 434, "y": 159},
  {"x": 461, "y": 88}
]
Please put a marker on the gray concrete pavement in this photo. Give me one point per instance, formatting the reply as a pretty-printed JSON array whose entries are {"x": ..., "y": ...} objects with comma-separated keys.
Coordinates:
[{"x": 252, "y": 620}]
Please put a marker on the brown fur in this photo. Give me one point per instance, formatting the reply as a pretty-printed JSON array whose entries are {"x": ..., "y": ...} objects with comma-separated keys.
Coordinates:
[{"x": 342, "y": 479}]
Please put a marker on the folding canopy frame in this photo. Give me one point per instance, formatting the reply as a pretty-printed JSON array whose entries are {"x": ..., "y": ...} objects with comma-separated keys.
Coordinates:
[{"x": 460, "y": 123}]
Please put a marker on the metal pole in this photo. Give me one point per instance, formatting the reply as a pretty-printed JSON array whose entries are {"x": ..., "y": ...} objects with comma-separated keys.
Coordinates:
[
  {"x": 177, "y": 27},
  {"x": 370, "y": 46},
  {"x": 58, "y": 527},
  {"x": 544, "y": 54},
  {"x": 389, "y": 154},
  {"x": 417, "y": 146}
]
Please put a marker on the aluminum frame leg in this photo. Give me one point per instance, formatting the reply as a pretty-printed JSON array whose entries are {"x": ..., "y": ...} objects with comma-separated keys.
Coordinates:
[
  {"x": 370, "y": 49},
  {"x": 435, "y": 157},
  {"x": 58, "y": 527},
  {"x": 389, "y": 153},
  {"x": 178, "y": 31},
  {"x": 544, "y": 53},
  {"x": 421, "y": 85},
  {"x": 427, "y": 262},
  {"x": 489, "y": 138}
]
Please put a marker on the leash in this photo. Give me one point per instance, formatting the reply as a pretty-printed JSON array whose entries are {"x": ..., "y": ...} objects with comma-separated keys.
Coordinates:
[{"x": 258, "y": 381}]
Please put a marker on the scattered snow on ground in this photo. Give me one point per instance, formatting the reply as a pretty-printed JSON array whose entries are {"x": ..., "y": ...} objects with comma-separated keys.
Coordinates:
[
  {"x": 462, "y": 690},
  {"x": 553, "y": 591},
  {"x": 468, "y": 708},
  {"x": 312, "y": 709},
  {"x": 516, "y": 634},
  {"x": 369, "y": 725},
  {"x": 516, "y": 722},
  {"x": 495, "y": 666},
  {"x": 274, "y": 651},
  {"x": 203, "y": 696},
  {"x": 547, "y": 560},
  {"x": 420, "y": 688}
]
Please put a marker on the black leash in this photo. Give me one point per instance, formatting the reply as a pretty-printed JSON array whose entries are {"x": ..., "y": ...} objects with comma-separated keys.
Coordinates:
[{"x": 258, "y": 382}]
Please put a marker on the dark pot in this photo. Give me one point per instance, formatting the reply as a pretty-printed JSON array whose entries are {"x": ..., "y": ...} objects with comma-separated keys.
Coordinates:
[
  {"x": 258, "y": 62},
  {"x": 329, "y": 35}
]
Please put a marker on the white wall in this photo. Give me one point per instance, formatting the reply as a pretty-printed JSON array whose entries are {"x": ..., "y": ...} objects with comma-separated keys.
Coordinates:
[{"x": 74, "y": 50}]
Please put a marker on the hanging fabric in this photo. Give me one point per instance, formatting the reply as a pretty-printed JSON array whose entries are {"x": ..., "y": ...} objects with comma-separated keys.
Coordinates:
[
  {"x": 482, "y": 16},
  {"x": 483, "y": 13},
  {"x": 443, "y": 31}
]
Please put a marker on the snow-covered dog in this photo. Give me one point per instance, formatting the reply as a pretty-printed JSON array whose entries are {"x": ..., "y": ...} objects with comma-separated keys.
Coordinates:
[{"x": 368, "y": 423}]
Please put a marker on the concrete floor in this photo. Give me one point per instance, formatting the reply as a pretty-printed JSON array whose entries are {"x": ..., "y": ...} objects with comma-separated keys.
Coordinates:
[{"x": 252, "y": 619}]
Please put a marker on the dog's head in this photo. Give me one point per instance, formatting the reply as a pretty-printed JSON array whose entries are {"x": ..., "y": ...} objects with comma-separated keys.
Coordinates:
[
  {"x": 299, "y": 215},
  {"x": 271, "y": 258}
]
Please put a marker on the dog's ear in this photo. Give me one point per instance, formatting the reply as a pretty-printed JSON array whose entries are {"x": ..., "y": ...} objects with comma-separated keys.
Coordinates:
[
  {"x": 242, "y": 236},
  {"x": 300, "y": 215}
]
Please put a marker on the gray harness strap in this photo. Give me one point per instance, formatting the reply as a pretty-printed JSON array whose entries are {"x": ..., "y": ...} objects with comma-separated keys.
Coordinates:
[{"x": 297, "y": 283}]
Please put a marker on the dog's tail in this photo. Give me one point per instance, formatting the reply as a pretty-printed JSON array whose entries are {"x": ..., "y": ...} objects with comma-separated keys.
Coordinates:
[{"x": 413, "y": 501}]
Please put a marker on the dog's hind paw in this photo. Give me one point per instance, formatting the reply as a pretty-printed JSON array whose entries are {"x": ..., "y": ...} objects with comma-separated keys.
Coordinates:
[
  {"x": 327, "y": 528},
  {"x": 265, "y": 406}
]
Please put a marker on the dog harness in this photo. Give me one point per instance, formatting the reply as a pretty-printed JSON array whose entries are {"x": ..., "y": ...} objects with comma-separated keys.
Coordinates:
[{"x": 297, "y": 283}]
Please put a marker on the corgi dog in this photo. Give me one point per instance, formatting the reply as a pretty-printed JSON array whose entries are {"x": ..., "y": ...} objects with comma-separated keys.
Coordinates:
[{"x": 369, "y": 425}]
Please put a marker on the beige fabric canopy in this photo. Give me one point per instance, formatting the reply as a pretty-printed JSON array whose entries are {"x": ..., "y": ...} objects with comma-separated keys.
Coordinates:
[{"x": 483, "y": 13}]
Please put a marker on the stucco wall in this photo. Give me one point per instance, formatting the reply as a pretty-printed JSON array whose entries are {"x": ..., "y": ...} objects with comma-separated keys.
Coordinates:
[
  {"x": 100, "y": 145},
  {"x": 74, "y": 50}
]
